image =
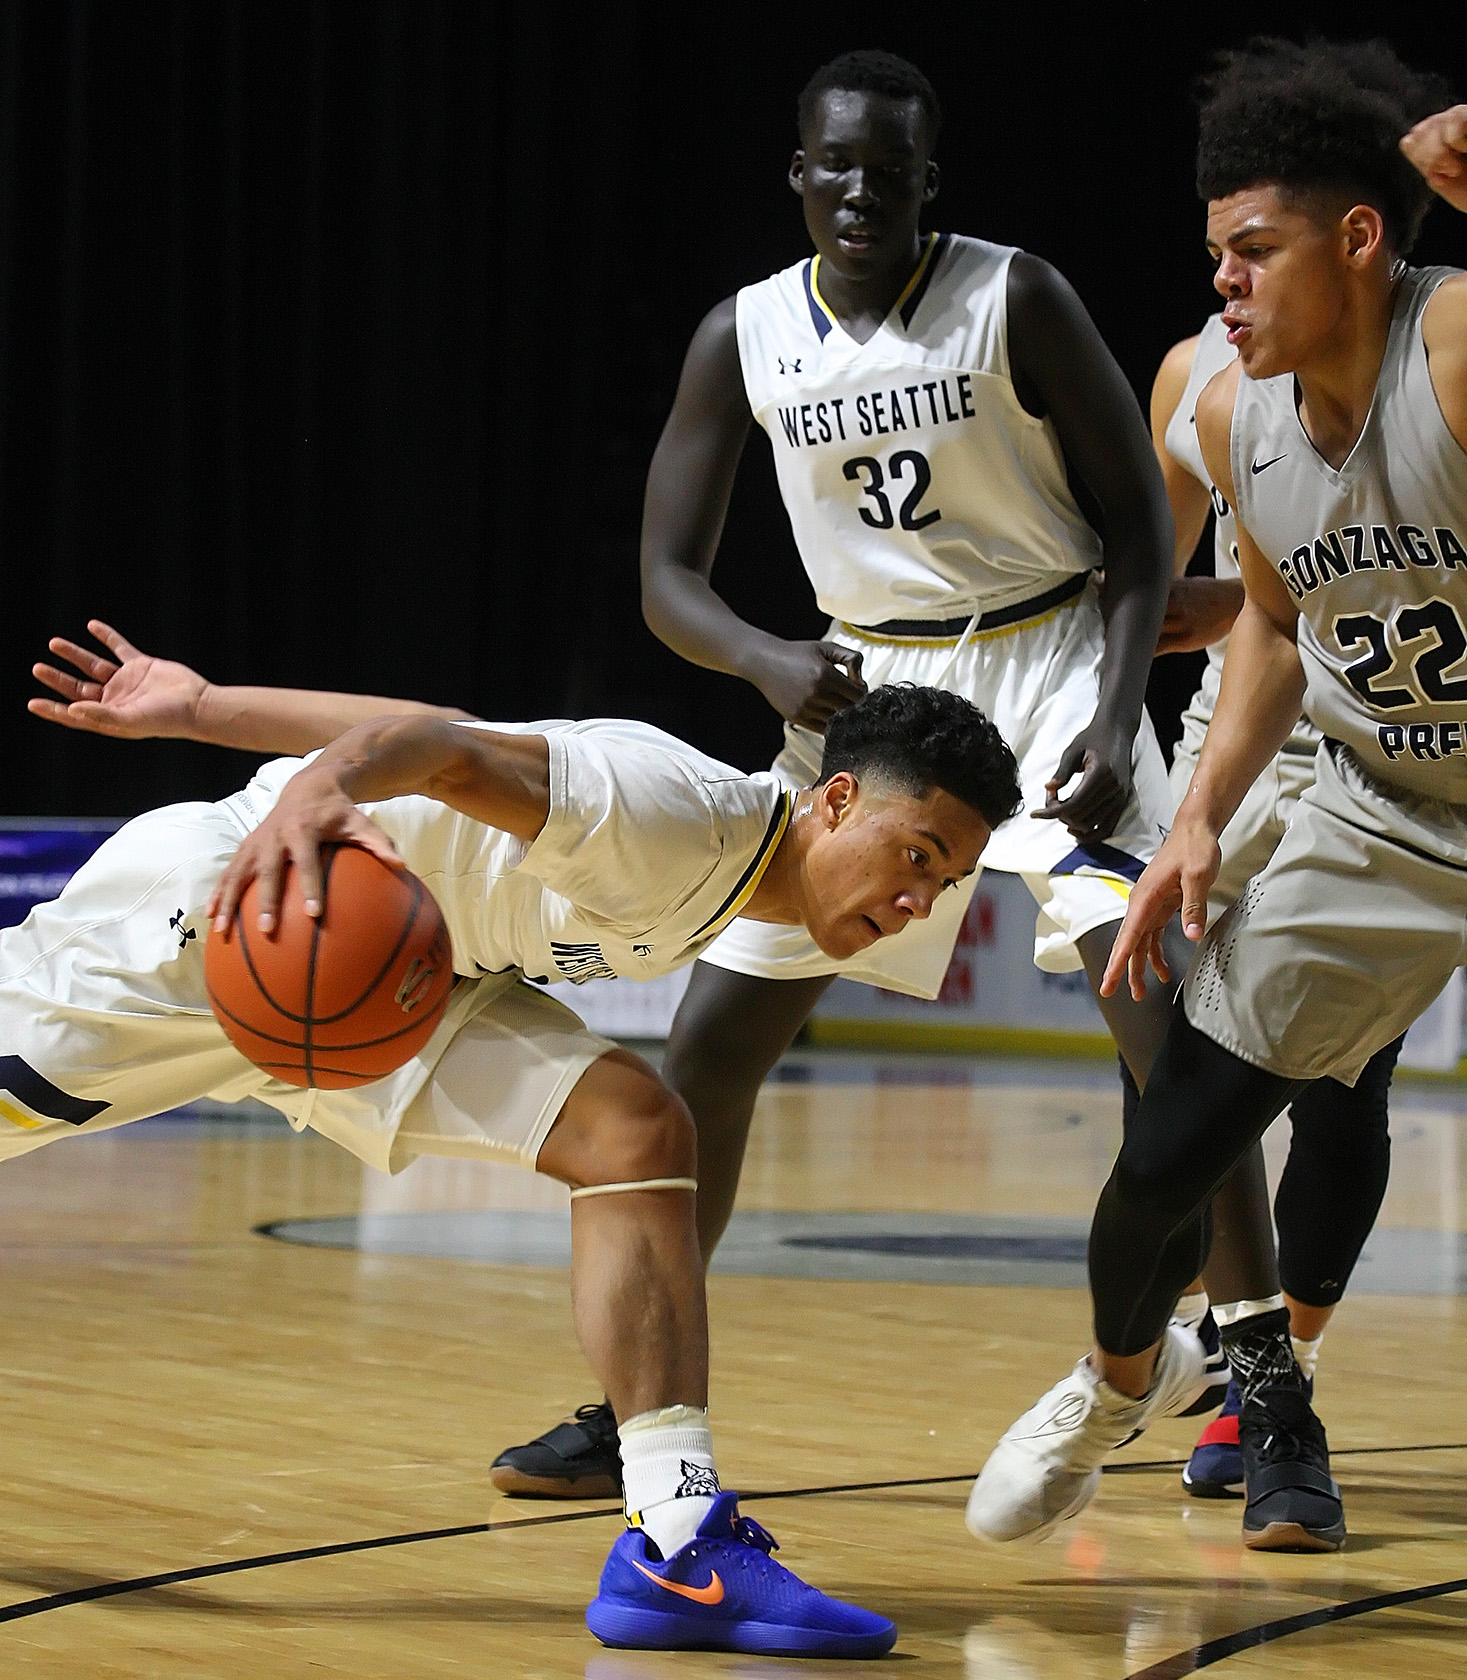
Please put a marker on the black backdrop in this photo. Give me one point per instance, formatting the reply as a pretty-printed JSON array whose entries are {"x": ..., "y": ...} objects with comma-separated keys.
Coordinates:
[{"x": 335, "y": 338}]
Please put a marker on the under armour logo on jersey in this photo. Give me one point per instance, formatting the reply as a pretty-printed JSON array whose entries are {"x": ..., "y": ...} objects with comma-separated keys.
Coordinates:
[
  {"x": 794, "y": 365},
  {"x": 699, "y": 1481},
  {"x": 184, "y": 933}
]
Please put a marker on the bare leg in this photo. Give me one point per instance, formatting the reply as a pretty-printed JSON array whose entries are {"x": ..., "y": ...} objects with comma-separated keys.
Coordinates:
[
  {"x": 636, "y": 1274},
  {"x": 1242, "y": 1264},
  {"x": 729, "y": 1032},
  {"x": 1306, "y": 1323}
]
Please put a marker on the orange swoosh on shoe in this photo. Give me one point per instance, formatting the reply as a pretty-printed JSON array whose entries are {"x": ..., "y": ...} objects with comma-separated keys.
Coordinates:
[{"x": 711, "y": 1594}]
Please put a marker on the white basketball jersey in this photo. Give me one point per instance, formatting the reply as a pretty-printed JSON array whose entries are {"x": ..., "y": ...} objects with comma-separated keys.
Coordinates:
[
  {"x": 1375, "y": 554},
  {"x": 1212, "y": 355},
  {"x": 916, "y": 483}
]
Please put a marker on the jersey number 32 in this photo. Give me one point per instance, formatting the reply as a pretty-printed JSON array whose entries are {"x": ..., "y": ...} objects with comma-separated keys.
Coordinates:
[{"x": 874, "y": 485}]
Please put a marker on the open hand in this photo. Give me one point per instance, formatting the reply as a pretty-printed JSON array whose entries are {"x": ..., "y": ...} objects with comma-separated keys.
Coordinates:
[
  {"x": 1199, "y": 610},
  {"x": 312, "y": 810},
  {"x": 1102, "y": 761},
  {"x": 1438, "y": 149},
  {"x": 1179, "y": 877},
  {"x": 809, "y": 682},
  {"x": 131, "y": 695}
]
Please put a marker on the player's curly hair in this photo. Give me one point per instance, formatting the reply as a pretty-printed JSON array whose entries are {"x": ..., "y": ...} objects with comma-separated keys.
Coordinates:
[
  {"x": 1321, "y": 117},
  {"x": 921, "y": 738},
  {"x": 869, "y": 71}
]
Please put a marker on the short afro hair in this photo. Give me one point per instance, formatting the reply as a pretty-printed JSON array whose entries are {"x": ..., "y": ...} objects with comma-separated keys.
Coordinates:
[
  {"x": 869, "y": 71},
  {"x": 921, "y": 738},
  {"x": 1325, "y": 117}
]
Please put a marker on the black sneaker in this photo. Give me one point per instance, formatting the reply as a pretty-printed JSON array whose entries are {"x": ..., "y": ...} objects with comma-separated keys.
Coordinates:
[
  {"x": 1217, "y": 1372},
  {"x": 1293, "y": 1504},
  {"x": 578, "y": 1459}
]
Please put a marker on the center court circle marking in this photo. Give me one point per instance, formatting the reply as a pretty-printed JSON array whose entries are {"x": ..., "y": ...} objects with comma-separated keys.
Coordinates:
[{"x": 993, "y": 1250}]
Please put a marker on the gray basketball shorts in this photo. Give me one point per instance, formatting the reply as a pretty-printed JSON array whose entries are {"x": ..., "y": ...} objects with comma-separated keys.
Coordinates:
[
  {"x": 1345, "y": 936},
  {"x": 1257, "y": 826}
]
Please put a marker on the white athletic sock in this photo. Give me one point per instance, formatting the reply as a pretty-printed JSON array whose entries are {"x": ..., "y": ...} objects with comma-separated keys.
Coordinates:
[
  {"x": 1234, "y": 1312},
  {"x": 1306, "y": 1354},
  {"x": 1191, "y": 1309},
  {"x": 668, "y": 1477}
]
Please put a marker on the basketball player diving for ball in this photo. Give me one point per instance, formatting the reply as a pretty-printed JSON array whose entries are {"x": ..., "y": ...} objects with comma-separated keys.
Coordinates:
[
  {"x": 930, "y": 400},
  {"x": 1339, "y": 437},
  {"x": 549, "y": 848}
]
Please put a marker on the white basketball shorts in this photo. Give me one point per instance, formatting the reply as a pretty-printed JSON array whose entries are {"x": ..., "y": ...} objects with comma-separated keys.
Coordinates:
[
  {"x": 1039, "y": 681},
  {"x": 104, "y": 1019}
]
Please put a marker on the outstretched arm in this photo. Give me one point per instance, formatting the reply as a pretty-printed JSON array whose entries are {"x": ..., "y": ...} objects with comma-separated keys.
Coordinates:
[
  {"x": 130, "y": 694},
  {"x": 1257, "y": 708},
  {"x": 688, "y": 487},
  {"x": 500, "y": 780},
  {"x": 1061, "y": 368}
]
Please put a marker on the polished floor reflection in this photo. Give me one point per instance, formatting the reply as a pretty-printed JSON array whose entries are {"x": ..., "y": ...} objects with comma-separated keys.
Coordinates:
[{"x": 185, "y": 1396}]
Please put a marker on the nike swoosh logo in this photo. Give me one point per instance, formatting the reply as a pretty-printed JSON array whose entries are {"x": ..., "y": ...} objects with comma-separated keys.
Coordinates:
[
  {"x": 711, "y": 1594},
  {"x": 1263, "y": 466}
]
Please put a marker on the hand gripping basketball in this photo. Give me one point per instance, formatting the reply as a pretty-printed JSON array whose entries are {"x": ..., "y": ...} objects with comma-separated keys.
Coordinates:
[
  {"x": 313, "y": 810},
  {"x": 328, "y": 963}
]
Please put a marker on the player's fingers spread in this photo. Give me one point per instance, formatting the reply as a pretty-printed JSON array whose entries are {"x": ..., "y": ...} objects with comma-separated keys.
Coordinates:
[
  {"x": 1158, "y": 958},
  {"x": 91, "y": 664},
  {"x": 224, "y": 900},
  {"x": 305, "y": 854},
  {"x": 61, "y": 681},
  {"x": 113, "y": 639},
  {"x": 1116, "y": 963}
]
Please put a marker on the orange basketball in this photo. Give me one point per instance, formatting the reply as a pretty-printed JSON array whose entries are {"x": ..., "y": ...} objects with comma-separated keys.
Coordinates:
[{"x": 342, "y": 999}]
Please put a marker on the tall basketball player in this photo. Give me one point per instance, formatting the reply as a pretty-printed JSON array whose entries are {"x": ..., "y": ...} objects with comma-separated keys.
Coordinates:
[
  {"x": 1340, "y": 1151},
  {"x": 1340, "y": 439},
  {"x": 929, "y": 398}
]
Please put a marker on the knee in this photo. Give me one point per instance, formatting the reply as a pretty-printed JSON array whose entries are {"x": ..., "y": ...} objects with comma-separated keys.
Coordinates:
[{"x": 650, "y": 1135}]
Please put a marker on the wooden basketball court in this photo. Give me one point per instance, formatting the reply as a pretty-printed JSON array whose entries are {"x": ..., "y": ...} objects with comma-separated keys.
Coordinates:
[{"x": 232, "y": 1454}]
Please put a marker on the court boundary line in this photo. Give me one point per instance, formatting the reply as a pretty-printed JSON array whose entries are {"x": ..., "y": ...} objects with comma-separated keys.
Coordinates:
[
  {"x": 1265, "y": 1633},
  {"x": 101, "y": 1590}
]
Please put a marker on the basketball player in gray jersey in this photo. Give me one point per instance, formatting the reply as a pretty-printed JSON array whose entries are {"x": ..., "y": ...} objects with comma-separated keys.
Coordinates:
[
  {"x": 1341, "y": 440},
  {"x": 930, "y": 400},
  {"x": 1340, "y": 1149}
]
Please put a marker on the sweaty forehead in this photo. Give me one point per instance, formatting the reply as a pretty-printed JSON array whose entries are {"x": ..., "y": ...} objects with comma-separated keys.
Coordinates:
[{"x": 851, "y": 117}]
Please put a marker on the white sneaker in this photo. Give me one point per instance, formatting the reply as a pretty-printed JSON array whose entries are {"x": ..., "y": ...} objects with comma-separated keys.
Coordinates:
[{"x": 1047, "y": 1465}]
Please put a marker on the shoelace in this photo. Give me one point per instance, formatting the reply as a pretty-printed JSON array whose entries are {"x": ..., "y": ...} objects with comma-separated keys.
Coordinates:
[
  {"x": 1285, "y": 1444},
  {"x": 754, "y": 1534},
  {"x": 592, "y": 1419}
]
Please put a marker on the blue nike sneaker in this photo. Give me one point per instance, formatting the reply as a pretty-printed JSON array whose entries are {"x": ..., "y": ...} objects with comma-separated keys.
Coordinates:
[{"x": 723, "y": 1592}]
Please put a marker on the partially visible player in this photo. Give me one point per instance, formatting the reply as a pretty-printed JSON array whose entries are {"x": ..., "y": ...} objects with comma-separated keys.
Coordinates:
[
  {"x": 941, "y": 411},
  {"x": 570, "y": 848},
  {"x": 1340, "y": 439},
  {"x": 1340, "y": 1152}
]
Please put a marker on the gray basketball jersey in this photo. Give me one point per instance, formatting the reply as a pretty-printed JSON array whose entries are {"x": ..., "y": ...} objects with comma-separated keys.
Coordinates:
[{"x": 1375, "y": 554}]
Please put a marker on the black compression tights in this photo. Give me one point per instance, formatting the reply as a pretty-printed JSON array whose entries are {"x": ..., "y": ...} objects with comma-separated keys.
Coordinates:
[
  {"x": 1202, "y": 1109},
  {"x": 1334, "y": 1181}
]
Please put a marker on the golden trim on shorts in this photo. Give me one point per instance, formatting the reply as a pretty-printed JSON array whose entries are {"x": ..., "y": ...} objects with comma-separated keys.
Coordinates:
[{"x": 953, "y": 641}]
